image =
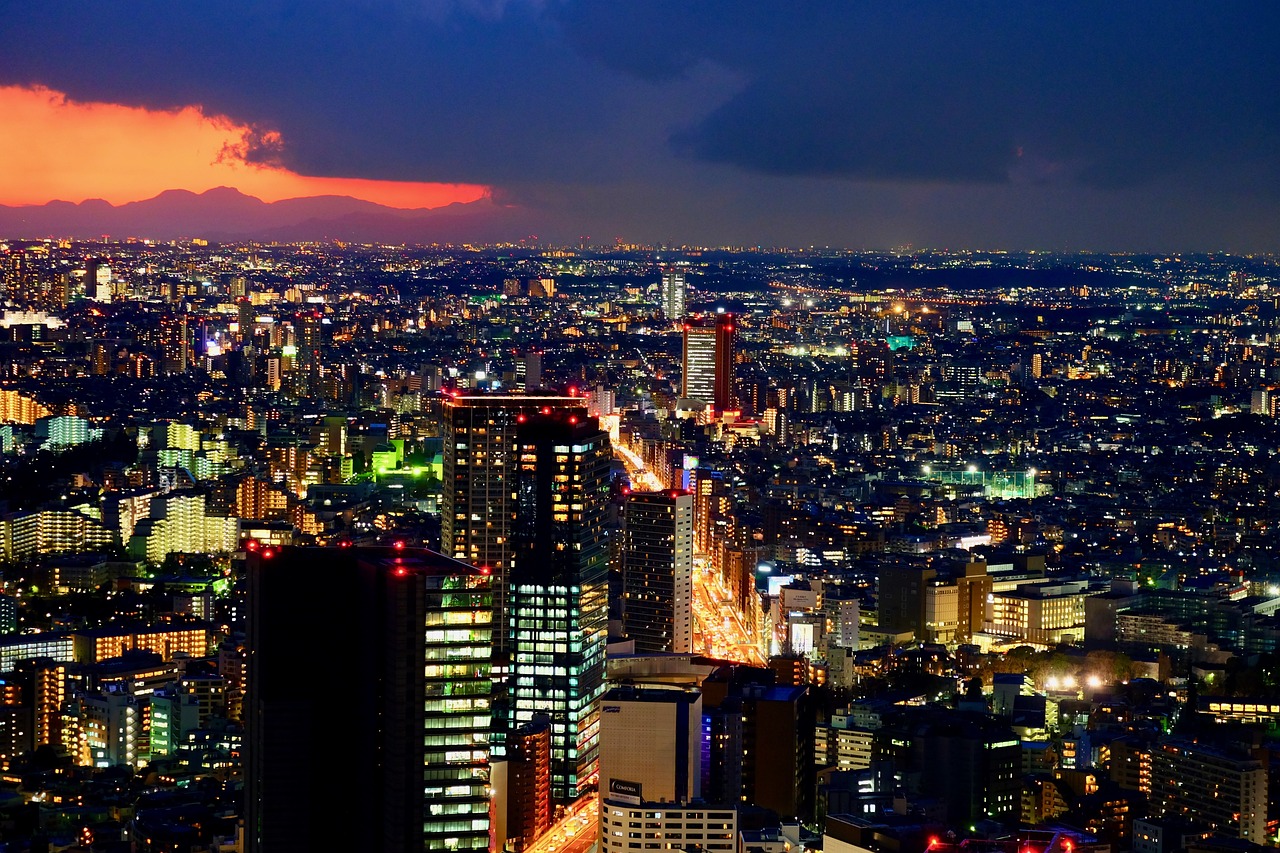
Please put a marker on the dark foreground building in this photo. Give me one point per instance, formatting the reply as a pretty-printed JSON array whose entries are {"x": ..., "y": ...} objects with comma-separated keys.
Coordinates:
[{"x": 367, "y": 713}]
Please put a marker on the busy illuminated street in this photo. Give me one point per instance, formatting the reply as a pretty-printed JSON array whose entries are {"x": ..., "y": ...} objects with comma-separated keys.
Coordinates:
[
  {"x": 718, "y": 628},
  {"x": 576, "y": 832}
]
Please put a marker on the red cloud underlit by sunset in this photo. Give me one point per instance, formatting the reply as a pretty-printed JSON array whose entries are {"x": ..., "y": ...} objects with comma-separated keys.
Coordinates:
[{"x": 56, "y": 148}]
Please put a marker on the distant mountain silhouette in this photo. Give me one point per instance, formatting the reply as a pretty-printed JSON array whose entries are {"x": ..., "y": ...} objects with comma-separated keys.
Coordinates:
[{"x": 225, "y": 214}]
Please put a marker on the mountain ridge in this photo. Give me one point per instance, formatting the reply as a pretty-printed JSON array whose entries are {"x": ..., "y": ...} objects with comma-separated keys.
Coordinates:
[{"x": 225, "y": 214}]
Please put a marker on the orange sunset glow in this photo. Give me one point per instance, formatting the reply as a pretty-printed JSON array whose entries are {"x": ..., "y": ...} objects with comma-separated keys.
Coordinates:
[{"x": 56, "y": 148}]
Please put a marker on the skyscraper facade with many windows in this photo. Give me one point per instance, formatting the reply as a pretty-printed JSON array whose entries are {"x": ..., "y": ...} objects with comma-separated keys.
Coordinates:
[
  {"x": 369, "y": 665},
  {"x": 657, "y": 571},
  {"x": 707, "y": 361},
  {"x": 559, "y": 609},
  {"x": 525, "y": 496},
  {"x": 673, "y": 293}
]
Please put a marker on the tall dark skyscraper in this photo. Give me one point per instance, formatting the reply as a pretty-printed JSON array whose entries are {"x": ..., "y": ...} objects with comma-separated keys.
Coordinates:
[
  {"x": 525, "y": 491},
  {"x": 708, "y": 361},
  {"x": 559, "y": 608},
  {"x": 369, "y": 666},
  {"x": 309, "y": 334},
  {"x": 478, "y": 504},
  {"x": 657, "y": 571}
]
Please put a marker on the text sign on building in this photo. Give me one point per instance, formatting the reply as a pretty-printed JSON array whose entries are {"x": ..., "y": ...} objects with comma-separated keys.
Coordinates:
[{"x": 621, "y": 789}]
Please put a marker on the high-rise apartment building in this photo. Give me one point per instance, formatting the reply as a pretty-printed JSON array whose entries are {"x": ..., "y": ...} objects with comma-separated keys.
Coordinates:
[
  {"x": 371, "y": 666},
  {"x": 657, "y": 571},
  {"x": 673, "y": 293},
  {"x": 528, "y": 785},
  {"x": 708, "y": 361},
  {"x": 1214, "y": 788}
]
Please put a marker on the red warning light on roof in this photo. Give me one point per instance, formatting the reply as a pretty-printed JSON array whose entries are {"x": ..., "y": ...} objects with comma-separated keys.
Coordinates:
[
  {"x": 398, "y": 545},
  {"x": 573, "y": 419},
  {"x": 268, "y": 554},
  {"x": 521, "y": 419},
  {"x": 485, "y": 570},
  {"x": 251, "y": 545},
  {"x": 401, "y": 571}
]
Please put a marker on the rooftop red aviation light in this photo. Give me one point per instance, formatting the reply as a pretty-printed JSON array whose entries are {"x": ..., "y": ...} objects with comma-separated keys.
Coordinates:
[
  {"x": 401, "y": 571},
  {"x": 398, "y": 545}
]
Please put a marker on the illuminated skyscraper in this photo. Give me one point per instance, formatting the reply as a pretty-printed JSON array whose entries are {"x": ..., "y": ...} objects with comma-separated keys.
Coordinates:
[
  {"x": 481, "y": 458},
  {"x": 657, "y": 571},
  {"x": 673, "y": 293},
  {"x": 708, "y": 361},
  {"x": 369, "y": 666},
  {"x": 557, "y": 624},
  {"x": 309, "y": 336},
  {"x": 524, "y": 492}
]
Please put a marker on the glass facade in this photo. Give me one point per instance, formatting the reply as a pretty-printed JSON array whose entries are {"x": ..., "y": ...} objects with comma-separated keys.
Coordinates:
[
  {"x": 558, "y": 626},
  {"x": 457, "y": 715}
]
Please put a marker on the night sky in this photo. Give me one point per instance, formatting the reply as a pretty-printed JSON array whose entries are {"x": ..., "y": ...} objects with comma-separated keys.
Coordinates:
[{"x": 1080, "y": 125}]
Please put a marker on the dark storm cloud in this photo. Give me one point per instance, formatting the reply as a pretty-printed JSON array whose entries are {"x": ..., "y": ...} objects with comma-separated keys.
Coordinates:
[
  {"x": 562, "y": 99},
  {"x": 1110, "y": 94}
]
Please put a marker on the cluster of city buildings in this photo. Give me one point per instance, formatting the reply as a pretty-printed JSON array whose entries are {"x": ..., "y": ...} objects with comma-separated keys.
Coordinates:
[{"x": 333, "y": 547}]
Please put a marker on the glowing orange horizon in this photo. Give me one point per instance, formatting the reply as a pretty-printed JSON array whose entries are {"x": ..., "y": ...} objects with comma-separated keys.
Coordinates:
[{"x": 56, "y": 148}]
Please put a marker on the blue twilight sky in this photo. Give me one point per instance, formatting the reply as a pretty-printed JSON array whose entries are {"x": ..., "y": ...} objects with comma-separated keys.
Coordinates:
[{"x": 1118, "y": 125}]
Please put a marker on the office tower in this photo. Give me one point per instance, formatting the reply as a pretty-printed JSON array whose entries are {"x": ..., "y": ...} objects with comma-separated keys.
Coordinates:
[
  {"x": 673, "y": 293},
  {"x": 245, "y": 319},
  {"x": 657, "y": 571},
  {"x": 368, "y": 668},
  {"x": 708, "y": 361},
  {"x": 478, "y": 503},
  {"x": 511, "y": 504},
  {"x": 97, "y": 280},
  {"x": 17, "y": 273},
  {"x": 557, "y": 622},
  {"x": 1212, "y": 787},
  {"x": 651, "y": 744}
]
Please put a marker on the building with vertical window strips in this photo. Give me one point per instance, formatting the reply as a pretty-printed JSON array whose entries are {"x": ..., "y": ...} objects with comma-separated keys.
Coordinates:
[{"x": 369, "y": 665}]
